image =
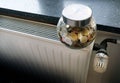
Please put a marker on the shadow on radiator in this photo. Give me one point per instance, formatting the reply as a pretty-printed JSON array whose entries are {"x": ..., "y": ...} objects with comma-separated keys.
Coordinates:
[{"x": 15, "y": 73}]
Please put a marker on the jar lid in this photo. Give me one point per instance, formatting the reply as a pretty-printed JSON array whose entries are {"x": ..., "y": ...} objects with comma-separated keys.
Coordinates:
[{"x": 77, "y": 15}]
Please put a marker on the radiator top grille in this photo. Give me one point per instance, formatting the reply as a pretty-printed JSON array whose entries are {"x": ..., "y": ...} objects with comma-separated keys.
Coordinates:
[{"x": 29, "y": 27}]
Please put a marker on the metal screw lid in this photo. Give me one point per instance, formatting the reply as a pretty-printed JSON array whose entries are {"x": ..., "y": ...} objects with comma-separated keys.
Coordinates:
[{"x": 77, "y": 15}]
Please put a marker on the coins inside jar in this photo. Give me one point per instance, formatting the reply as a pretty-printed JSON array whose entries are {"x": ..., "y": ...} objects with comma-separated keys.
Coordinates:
[{"x": 77, "y": 37}]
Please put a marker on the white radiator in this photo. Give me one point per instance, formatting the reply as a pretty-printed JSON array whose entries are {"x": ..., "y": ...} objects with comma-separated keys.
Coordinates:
[
  {"x": 36, "y": 46},
  {"x": 50, "y": 55}
]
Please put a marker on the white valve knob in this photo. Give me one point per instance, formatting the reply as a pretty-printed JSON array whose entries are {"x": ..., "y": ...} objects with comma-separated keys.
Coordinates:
[{"x": 100, "y": 62}]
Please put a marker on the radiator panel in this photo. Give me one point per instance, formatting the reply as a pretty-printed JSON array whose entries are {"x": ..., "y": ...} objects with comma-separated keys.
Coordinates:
[{"x": 38, "y": 52}]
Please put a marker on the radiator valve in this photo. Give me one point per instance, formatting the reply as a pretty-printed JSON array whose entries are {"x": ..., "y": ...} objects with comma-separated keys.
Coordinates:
[{"x": 101, "y": 58}]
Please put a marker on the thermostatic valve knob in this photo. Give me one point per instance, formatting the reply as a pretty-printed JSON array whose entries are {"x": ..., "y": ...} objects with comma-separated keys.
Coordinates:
[{"x": 100, "y": 62}]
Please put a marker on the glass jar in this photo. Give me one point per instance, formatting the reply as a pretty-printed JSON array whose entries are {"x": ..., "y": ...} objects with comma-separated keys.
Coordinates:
[{"x": 76, "y": 27}]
